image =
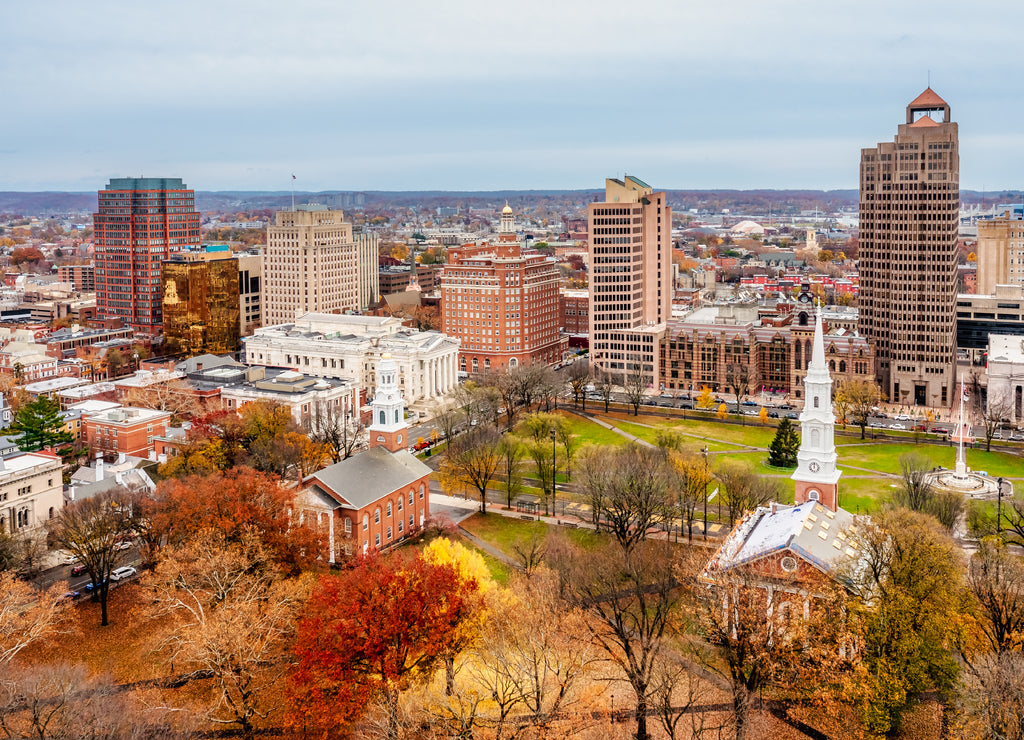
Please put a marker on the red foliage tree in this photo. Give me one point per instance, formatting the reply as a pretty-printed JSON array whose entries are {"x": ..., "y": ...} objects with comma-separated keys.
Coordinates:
[
  {"x": 234, "y": 502},
  {"x": 370, "y": 632}
]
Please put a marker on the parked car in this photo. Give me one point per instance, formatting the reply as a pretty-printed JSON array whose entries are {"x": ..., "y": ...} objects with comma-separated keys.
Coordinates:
[
  {"x": 902, "y": 417},
  {"x": 898, "y": 427},
  {"x": 123, "y": 572},
  {"x": 70, "y": 559},
  {"x": 71, "y": 595},
  {"x": 123, "y": 545},
  {"x": 792, "y": 416},
  {"x": 78, "y": 570},
  {"x": 90, "y": 586},
  {"x": 750, "y": 403},
  {"x": 773, "y": 414}
]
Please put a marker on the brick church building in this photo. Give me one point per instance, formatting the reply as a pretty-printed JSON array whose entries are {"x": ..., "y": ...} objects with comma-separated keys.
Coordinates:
[{"x": 378, "y": 497}]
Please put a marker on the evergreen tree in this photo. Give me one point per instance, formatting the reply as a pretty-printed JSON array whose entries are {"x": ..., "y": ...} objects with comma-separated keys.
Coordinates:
[
  {"x": 40, "y": 425},
  {"x": 782, "y": 451}
]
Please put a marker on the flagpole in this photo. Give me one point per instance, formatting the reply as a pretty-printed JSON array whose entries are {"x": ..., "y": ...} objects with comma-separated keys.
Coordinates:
[{"x": 293, "y": 193}]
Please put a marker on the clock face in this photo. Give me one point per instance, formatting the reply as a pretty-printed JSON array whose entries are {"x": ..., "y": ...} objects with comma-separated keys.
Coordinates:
[{"x": 814, "y": 467}]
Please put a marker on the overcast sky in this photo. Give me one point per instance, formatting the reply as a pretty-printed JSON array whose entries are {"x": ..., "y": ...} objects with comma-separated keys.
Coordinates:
[{"x": 472, "y": 94}]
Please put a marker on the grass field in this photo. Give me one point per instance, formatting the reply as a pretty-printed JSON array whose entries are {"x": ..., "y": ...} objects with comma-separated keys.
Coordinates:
[
  {"x": 886, "y": 458},
  {"x": 503, "y": 532}
]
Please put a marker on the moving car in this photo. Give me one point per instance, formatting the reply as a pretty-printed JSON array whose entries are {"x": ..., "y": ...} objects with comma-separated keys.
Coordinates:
[
  {"x": 124, "y": 572},
  {"x": 78, "y": 570}
]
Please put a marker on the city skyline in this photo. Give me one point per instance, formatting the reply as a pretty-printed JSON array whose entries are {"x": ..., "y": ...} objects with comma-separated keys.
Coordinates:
[{"x": 466, "y": 97}]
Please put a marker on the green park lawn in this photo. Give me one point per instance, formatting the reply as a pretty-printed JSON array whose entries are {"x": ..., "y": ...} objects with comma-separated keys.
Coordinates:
[
  {"x": 503, "y": 532},
  {"x": 885, "y": 458}
]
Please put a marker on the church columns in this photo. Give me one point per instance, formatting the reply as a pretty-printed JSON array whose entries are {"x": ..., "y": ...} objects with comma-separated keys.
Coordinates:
[{"x": 330, "y": 535}]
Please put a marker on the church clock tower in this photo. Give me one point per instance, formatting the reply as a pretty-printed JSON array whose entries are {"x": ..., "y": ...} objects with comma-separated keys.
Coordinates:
[
  {"x": 816, "y": 476},
  {"x": 388, "y": 429}
]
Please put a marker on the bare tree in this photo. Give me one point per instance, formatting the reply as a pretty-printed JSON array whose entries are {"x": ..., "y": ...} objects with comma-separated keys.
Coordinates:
[
  {"x": 447, "y": 420},
  {"x": 745, "y": 490},
  {"x": 917, "y": 493},
  {"x": 177, "y": 396},
  {"x": 570, "y": 443},
  {"x": 991, "y": 696},
  {"x": 995, "y": 413},
  {"x": 92, "y": 530},
  {"x": 604, "y": 386},
  {"x": 689, "y": 485},
  {"x": 635, "y": 383},
  {"x": 996, "y": 578},
  {"x": 329, "y": 425},
  {"x": 631, "y": 598},
  {"x": 472, "y": 460},
  {"x": 629, "y": 487},
  {"x": 578, "y": 378},
  {"x": 738, "y": 377}
]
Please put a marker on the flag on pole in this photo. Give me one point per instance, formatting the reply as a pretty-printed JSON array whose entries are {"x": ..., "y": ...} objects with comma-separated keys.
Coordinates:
[{"x": 293, "y": 177}]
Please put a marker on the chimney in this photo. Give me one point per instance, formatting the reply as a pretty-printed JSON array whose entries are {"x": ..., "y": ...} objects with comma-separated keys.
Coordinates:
[
  {"x": 120, "y": 458},
  {"x": 775, "y": 507},
  {"x": 99, "y": 466}
]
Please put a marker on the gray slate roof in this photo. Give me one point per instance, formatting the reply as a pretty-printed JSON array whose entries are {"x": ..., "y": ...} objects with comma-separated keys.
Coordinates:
[{"x": 364, "y": 478}]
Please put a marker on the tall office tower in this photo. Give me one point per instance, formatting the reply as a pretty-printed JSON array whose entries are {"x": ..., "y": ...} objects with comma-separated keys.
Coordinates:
[
  {"x": 309, "y": 265},
  {"x": 140, "y": 222},
  {"x": 630, "y": 278},
  {"x": 366, "y": 257},
  {"x": 909, "y": 217},
  {"x": 1001, "y": 249},
  {"x": 502, "y": 302}
]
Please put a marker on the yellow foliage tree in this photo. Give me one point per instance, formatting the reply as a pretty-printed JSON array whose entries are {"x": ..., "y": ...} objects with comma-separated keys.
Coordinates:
[
  {"x": 705, "y": 400},
  {"x": 763, "y": 415},
  {"x": 722, "y": 411},
  {"x": 471, "y": 569},
  {"x": 400, "y": 252},
  {"x": 972, "y": 257}
]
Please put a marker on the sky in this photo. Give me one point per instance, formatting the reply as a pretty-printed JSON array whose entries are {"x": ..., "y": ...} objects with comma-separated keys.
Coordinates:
[{"x": 479, "y": 95}]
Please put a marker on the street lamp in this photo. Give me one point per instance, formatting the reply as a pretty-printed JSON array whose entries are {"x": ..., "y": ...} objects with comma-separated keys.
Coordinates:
[
  {"x": 999, "y": 507},
  {"x": 704, "y": 453},
  {"x": 553, "y": 473}
]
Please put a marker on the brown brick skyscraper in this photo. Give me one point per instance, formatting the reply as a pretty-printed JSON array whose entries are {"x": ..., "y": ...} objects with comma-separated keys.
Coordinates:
[{"x": 909, "y": 216}]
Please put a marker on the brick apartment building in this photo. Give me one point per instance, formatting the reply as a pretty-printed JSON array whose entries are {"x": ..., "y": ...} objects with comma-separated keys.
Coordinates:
[
  {"x": 128, "y": 430},
  {"x": 575, "y": 311},
  {"x": 502, "y": 302}
]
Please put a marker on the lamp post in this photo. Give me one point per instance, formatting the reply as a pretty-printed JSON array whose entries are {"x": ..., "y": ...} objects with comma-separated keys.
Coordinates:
[
  {"x": 555, "y": 513},
  {"x": 704, "y": 453},
  {"x": 999, "y": 507}
]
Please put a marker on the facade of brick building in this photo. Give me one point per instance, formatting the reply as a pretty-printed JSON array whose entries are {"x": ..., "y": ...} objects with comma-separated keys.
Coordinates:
[
  {"x": 502, "y": 302},
  {"x": 125, "y": 429}
]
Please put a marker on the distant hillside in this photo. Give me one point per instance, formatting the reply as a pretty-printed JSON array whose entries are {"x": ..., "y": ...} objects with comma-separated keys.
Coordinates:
[{"x": 742, "y": 201}]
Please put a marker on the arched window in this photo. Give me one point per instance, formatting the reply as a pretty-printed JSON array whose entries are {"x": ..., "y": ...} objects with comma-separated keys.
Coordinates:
[
  {"x": 376, "y": 516},
  {"x": 815, "y": 402},
  {"x": 832, "y": 365},
  {"x": 389, "y": 533},
  {"x": 803, "y": 318},
  {"x": 399, "y": 503},
  {"x": 389, "y": 509},
  {"x": 421, "y": 491},
  {"x": 842, "y": 366},
  {"x": 51, "y": 512},
  {"x": 382, "y": 420},
  {"x": 796, "y": 355},
  {"x": 348, "y": 525},
  {"x": 396, "y": 416},
  {"x": 366, "y": 521},
  {"x": 513, "y": 362},
  {"x": 410, "y": 498}
]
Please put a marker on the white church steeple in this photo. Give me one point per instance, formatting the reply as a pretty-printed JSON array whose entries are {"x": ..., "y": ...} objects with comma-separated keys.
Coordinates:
[
  {"x": 388, "y": 428},
  {"x": 816, "y": 475}
]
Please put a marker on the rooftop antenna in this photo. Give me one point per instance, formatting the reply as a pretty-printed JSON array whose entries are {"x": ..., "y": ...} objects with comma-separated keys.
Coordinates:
[
  {"x": 293, "y": 191},
  {"x": 929, "y": 78}
]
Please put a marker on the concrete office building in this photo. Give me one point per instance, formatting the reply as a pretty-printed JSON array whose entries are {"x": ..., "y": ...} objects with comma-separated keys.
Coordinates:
[
  {"x": 309, "y": 264},
  {"x": 502, "y": 302},
  {"x": 1000, "y": 249},
  {"x": 140, "y": 222},
  {"x": 909, "y": 216},
  {"x": 630, "y": 277}
]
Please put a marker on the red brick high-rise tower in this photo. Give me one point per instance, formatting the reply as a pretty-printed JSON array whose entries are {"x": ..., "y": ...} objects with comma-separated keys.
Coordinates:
[{"x": 140, "y": 222}]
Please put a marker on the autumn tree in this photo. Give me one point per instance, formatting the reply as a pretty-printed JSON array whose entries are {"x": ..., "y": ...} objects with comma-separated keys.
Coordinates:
[
  {"x": 472, "y": 461},
  {"x": 689, "y": 485},
  {"x": 745, "y": 490},
  {"x": 39, "y": 425},
  {"x": 203, "y": 456},
  {"x": 860, "y": 398},
  {"x": 236, "y": 502},
  {"x": 629, "y": 489},
  {"x": 92, "y": 529},
  {"x": 234, "y": 616},
  {"x": 510, "y": 457},
  {"x": 786, "y": 443},
  {"x": 740, "y": 376},
  {"x": 705, "y": 399},
  {"x": 28, "y": 616},
  {"x": 177, "y": 396},
  {"x": 910, "y": 607},
  {"x": 570, "y": 444},
  {"x": 371, "y": 633},
  {"x": 990, "y": 698}
]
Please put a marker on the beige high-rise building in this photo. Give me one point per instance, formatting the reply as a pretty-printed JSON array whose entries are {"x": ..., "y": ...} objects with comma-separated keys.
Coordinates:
[
  {"x": 1000, "y": 249},
  {"x": 630, "y": 277},
  {"x": 909, "y": 216},
  {"x": 369, "y": 282},
  {"x": 310, "y": 265}
]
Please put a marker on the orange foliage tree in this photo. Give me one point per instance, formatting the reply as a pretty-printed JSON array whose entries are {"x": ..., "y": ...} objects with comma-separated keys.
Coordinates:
[
  {"x": 372, "y": 632},
  {"x": 235, "y": 503}
]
